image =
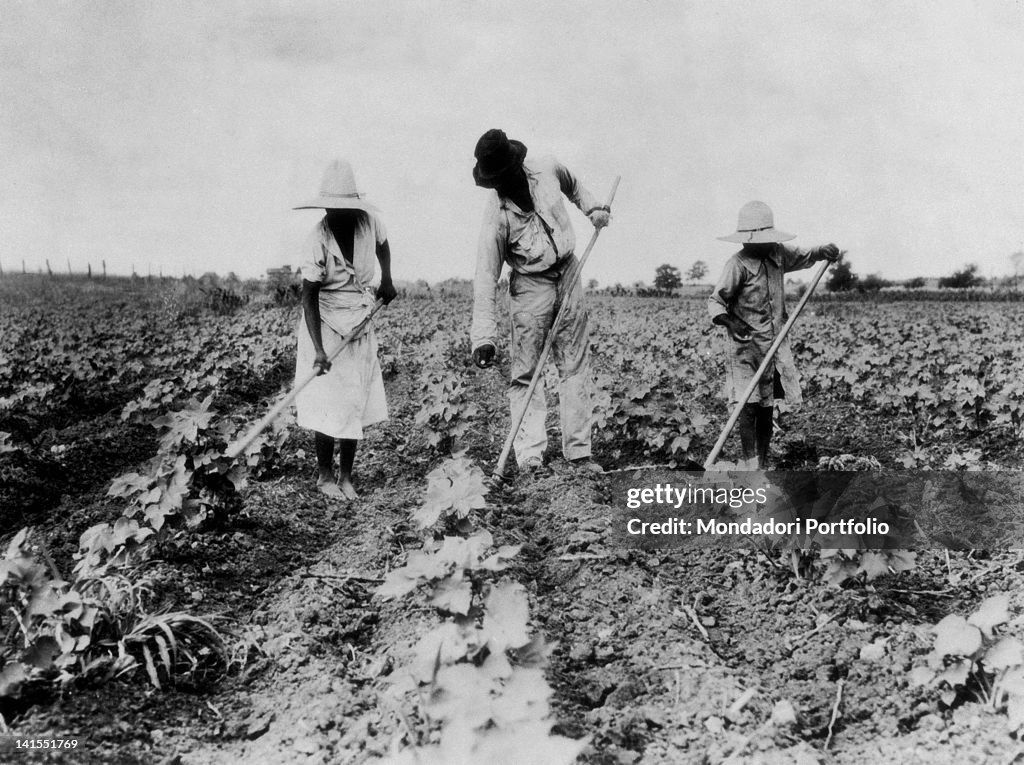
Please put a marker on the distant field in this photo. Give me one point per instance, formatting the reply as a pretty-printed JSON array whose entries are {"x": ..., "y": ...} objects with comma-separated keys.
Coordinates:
[{"x": 117, "y": 400}]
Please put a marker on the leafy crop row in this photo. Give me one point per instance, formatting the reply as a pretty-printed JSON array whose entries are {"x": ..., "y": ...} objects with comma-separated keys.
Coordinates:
[
  {"x": 940, "y": 374},
  {"x": 477, "y": 677},
  {"x": 97, "y": 622}
]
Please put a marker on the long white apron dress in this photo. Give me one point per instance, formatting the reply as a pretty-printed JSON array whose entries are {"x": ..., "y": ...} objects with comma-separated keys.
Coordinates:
[{"x": 350, "y": 396}]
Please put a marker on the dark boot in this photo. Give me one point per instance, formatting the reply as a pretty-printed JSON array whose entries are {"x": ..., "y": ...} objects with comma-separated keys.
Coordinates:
[
  {"x": 748, "y": 430},
  {"x": 765, "y": 426}
]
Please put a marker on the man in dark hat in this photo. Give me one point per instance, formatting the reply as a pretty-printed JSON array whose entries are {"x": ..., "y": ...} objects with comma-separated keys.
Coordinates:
[{"x": 526, "y": 225}]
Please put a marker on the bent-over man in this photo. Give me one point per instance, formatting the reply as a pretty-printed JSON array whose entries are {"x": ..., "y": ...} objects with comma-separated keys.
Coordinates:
[{"x": 526, "y": 225}]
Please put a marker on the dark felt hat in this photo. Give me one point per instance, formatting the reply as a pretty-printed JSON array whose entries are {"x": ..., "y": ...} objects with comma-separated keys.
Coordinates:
[{"x": 496, "y": 154}]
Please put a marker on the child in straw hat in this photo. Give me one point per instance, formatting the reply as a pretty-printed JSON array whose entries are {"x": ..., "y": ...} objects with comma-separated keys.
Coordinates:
[
  {"x": 339, "y": 264},
  {"x": 749, "y": 301}
]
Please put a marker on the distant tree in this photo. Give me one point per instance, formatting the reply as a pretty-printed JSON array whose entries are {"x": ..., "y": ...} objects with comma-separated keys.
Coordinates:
[
  {"x": 667, "y": 278},
  {"x": 1018, "y": 265},
  {"x": 842, "y": 278},
  {"x": 592, "y": 285},
  {"x": 916, "y": 283},
  {"x": 963, "y": 279},
  {"x": 697, "y": 271},
  {"x": 872, "y": 283}
]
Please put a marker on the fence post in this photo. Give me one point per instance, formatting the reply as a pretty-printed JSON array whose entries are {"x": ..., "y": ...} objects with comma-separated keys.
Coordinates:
[
  {"x": 104, "y": 269},
  {"x": 88, "y": 270},
  {"x": 49, "y": 271},
  {"x": 69, "y": 266}
]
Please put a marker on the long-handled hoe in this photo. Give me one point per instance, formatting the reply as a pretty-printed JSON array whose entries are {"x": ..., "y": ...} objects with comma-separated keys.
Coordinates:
[
  {"x": 239, "y": 446},
  {"x": 517, "y": 420}
]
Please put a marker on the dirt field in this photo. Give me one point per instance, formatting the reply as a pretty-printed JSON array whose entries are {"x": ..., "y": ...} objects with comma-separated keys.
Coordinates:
[{"x": 652, "y": 653}]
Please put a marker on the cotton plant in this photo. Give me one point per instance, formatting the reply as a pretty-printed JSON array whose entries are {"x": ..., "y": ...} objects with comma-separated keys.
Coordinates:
[{"x": 972, "y": 658}]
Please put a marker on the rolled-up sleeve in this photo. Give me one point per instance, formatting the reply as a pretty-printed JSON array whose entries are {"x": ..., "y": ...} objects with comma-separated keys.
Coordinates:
[
  {"x": 574, "y": 190},
  {"x": 728, "y": 285},
  {"x": 795, "y": 259},
  {"x": 489, "y": 259},
  {"x": 313, "y": 259},
  {"x": 380, "y": 231}
]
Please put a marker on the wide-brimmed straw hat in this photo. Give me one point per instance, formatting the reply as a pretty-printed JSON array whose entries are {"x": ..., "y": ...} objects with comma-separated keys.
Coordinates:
[
  {"x": 496, "y": 154},
  {"x": 756, "y": 225},
  {"x": 338, "y": 190}
]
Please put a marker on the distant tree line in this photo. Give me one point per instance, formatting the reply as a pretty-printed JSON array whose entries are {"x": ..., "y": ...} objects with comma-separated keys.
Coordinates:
[{"x": 842, "y": 278}]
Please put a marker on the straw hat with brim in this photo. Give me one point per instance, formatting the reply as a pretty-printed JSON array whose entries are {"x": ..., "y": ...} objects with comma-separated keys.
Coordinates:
[
  {"x": 756, "y": 225},
  {"x": 338, "y": 191},
  {"x": 496, "y": 154}
]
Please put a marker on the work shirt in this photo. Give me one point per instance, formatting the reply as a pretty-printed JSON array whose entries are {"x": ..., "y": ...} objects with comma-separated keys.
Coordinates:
[
  {"x": 324, "y": 264},
  {"x": 345, "y": 288},
  {"x": 530, "y": 242},
  {"x": 752, "y": 289}
]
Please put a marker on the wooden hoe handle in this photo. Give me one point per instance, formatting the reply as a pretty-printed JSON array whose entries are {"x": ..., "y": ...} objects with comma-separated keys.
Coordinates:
[
  {"x": 570, "y": 282},
  {"x": 242, "y": 444},
  {"x": 764, "y": 365}
]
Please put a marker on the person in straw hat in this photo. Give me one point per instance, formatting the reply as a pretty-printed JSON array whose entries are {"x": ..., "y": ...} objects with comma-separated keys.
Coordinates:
[
  {"x": 339, "y": 264},
  {"x": 527, "y": 226},
  {"x": 750, "y": 302}
]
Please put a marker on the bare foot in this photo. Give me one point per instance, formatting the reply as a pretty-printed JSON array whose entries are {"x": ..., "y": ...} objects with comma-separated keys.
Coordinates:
[
  {"x": 348, "y": 490},
  {"x": 329, "y": 488}
]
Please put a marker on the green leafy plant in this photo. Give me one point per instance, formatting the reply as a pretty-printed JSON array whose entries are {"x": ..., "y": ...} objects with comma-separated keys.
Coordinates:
[
  {"x": 6, "y": 444},
  {"x": 843, "y": 565},
  {"x": 447, "y": 410},
  {"x": 191, "y": 477},
  {"x": 118, "y": 544},
  {"x": 478, "y": 675},
  {"x": 95, "y": 626},
  {"x": 455, "y": 488},
  {"x": 452, "y": 570},
  {"x": 162, "y": 394},
  {"x": 649, "y": 415},
  {"x": 972, "y": 660}
]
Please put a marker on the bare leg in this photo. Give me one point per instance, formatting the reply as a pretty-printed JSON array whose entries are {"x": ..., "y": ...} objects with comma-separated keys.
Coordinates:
[
  {"x": 325, "y": 466},
  {"x": 347, "y": 448},
  {"x": 765, "y": 426},
  {"x": 748, "y": 431}
]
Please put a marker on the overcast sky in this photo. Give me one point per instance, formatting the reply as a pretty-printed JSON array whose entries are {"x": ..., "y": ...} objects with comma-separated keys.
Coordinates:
[{"x": 177, "y": 136}]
